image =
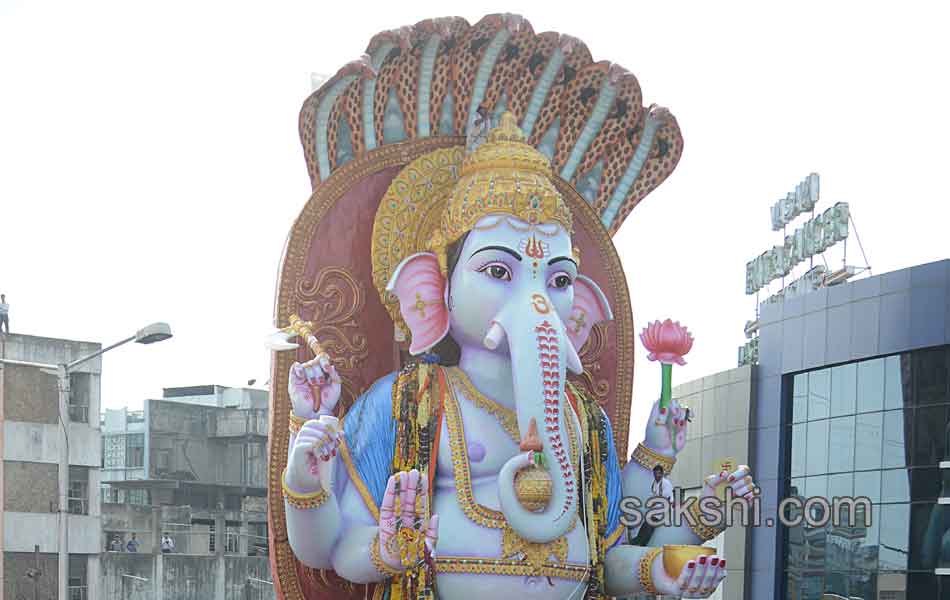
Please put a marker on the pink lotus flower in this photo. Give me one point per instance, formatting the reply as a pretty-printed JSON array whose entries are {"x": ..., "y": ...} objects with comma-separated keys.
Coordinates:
[{"x": 668, "y": 342}]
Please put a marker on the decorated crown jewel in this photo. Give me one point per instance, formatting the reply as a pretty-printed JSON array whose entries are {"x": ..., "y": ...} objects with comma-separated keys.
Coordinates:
[{"x": 503, "y": 175}]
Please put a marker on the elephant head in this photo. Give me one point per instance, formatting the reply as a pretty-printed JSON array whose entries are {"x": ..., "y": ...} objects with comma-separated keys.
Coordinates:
[{"x": 514, "y": 289}]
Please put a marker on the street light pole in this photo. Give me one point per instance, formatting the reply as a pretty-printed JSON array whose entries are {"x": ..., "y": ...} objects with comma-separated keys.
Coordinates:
[
  {"x": 156, "y": 332},
  {"x": 63, "y": 376}
]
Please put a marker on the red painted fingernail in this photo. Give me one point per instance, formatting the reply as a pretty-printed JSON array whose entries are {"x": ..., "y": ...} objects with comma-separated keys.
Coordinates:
[
  {"x": 691, "y": 565},
  {"x": 722, "y": 563},
  {"x": 715, "y": 562},
  {"x": 702, "y": 560}
]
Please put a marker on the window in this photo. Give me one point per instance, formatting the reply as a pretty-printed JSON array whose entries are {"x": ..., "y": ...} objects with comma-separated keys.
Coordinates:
[
  {"x": 77, "y": 577},
  {"x": 135, "y": 450},
  {"x": 232, "y": 539},
  {"x": 80, "y": 390},
  {"x": 110, "y": 494},
  {"x": 77, "y": 498},
  {"x": 139, "y": 497},
  {"x": 876, "y": 428}
]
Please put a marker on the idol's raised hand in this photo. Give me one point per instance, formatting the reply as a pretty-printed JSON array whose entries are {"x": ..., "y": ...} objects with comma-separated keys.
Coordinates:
[{"x": 667, "y": 435}]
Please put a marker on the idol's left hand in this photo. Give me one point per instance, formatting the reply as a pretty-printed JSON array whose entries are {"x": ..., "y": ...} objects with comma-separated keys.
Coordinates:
[{"x": 669, "y": 437}]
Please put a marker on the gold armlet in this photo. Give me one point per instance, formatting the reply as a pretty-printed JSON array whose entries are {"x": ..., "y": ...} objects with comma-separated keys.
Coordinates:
[
  {"x": 646, "y": 571},
  {"x": 378, "y": 561},
  {"x": 304, "y": 501},
  {"x": 702, "y": 531},
  {"x": 296, "y": 423},
  {"x": 648, "y": 459}
]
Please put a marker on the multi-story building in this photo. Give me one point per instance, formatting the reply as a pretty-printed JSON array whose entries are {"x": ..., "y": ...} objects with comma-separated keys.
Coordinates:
[
  {"x": 192, "y": 465},
  {"x": 721, "y": 405},
  {"x": 852, "y": 399},
  {"x": 31, "y": 441}
]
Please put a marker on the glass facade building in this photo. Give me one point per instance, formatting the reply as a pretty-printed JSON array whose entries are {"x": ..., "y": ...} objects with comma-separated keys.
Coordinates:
[
  {"x": 874, "y": 429},
  {"x": 852, "y": 400}
]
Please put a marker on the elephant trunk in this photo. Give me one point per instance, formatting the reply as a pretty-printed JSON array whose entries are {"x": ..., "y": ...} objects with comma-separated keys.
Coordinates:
[{"x": 539, "y": 352}]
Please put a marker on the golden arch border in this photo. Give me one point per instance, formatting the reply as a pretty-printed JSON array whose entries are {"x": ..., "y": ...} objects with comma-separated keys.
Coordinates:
[{"x": 292, "y": 269}]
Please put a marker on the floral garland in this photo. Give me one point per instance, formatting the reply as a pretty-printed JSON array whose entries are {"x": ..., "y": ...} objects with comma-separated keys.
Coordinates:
[{"x": 418, "y": 399}]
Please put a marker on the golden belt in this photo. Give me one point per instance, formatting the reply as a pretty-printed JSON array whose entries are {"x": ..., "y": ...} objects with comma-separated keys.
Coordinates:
[{"x": 501, "y": 566}]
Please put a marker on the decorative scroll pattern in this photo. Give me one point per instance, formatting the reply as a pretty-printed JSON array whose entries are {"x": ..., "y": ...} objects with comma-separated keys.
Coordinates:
[
  {"x": 590, "y": 354},
  {"x": 335, "y": 299}
]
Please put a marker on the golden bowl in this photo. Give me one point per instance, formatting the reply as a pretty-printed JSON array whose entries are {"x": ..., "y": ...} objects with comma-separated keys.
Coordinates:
[
  {"x": 533, "y": 486},
  {"x": 676, "y": 557}
]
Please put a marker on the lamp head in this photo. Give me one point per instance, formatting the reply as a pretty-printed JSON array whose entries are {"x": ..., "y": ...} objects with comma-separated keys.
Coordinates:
[{"x": 156, "y": 332}]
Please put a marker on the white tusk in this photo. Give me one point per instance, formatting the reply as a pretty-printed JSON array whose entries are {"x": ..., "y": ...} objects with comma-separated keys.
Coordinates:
[
  {"x": 573, "y": 360},
  {"x": 494, "y": 336}
]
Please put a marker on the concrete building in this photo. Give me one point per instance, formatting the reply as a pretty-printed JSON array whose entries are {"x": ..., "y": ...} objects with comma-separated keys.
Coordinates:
[
  {"x": 192, "y": 464},
  {"x": 852, "y": 399},
  {"x": 30, "y": 440},
  {"x": 721, "y": 406}
]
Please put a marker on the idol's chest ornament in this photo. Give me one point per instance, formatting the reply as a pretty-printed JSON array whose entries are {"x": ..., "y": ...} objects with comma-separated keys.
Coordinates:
[{"x": 533, "y": 486}]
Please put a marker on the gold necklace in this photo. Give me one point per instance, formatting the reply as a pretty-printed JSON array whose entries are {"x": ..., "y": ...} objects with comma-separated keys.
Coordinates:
[
  {"x": 477, "y": 513},
  {"x": 505, "y": 416}
]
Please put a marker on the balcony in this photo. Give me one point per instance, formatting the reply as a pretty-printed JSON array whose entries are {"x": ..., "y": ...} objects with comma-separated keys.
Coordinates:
[{"x": 241, "y": 424}]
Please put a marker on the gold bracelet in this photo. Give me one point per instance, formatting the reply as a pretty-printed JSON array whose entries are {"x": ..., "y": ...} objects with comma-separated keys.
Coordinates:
[
  {"x": 646, "y": 571},
  {"x": 296, "y": 423},
  {"x": 702, "y": 531},
  {"x": 304, "y": 501},
  {"x": 378, "y": 561},
  {"x": 648, "y": 459}
]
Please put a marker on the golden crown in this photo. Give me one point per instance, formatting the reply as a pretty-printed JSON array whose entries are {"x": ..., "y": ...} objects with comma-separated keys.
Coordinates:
[
  {"x": 441, "y": 195},
  {"x": 504, "y": 175}
]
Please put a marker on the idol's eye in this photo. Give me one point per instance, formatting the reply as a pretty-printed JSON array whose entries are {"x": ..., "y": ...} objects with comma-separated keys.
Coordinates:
[
  {"x": 496, "y": 271},
  {"x": 560, "y": 281}
]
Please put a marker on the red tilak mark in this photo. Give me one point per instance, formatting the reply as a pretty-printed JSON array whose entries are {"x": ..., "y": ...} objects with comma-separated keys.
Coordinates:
[{"x": 534, "y": 249}]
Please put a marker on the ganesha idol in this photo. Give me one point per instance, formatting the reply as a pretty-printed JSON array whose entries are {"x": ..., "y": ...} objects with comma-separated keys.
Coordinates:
[{"x": 459, "y": 410}]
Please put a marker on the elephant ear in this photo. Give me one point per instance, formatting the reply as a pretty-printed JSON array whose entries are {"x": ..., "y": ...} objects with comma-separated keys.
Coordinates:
[
  {"x": 590, "y": 307},
  {"x": 420, "y": 287}
]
